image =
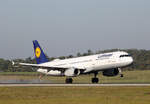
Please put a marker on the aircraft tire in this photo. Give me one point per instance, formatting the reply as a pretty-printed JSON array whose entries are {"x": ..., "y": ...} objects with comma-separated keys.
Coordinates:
[
  {"x": 121, "y": 75},
  {"x": 95, "y": 80},
  {"x": 69, "y": 80}
]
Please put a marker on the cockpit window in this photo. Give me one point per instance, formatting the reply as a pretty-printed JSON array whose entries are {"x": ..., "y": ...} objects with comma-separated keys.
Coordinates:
[{"x": 125, "y": 55}]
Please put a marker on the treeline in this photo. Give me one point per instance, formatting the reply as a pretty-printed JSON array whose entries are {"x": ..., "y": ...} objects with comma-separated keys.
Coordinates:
[{"x": 141, "y": 60}]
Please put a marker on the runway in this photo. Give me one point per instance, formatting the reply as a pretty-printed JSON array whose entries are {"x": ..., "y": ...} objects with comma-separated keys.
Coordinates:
[{"x": 73, "y": 85}]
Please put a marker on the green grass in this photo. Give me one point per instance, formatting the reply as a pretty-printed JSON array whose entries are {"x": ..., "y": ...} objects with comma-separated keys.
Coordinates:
[
  {"x": 129, "y": 77},
  {"x": 77, "y": 95},
  {"x": 74, "y": 95},
  {"x": 18, "y": 73}
]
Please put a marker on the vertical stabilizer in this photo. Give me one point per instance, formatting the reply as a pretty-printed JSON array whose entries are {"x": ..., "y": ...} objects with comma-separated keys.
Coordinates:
[{"x": 39, "y": 54}]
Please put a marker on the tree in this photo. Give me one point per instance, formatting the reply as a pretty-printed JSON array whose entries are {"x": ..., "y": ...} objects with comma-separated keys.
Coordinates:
[
  {"x": 90, "y": 52},
  {"x": 78, "y": 54}
]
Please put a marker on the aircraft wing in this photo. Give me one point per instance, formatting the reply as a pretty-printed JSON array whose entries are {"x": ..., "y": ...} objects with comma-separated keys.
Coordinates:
[{"x": 46, "y": 67}]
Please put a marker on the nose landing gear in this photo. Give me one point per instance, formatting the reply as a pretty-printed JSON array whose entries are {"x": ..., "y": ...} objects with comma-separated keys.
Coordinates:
[{"x": 121, "y": 75}]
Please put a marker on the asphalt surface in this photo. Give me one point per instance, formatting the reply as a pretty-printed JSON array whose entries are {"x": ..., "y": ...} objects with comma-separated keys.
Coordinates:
[{"x": 71, "y": 85}]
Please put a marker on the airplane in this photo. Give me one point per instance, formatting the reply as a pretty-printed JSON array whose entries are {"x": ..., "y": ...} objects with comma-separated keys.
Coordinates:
[{"x": 109, "y": 64}]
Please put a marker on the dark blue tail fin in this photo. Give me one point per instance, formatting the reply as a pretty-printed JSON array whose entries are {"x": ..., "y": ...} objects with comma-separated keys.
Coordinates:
[{"x": 39, "y": 54}]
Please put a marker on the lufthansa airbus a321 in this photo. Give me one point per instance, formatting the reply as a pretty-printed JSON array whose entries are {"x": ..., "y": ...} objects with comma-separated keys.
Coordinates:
[{"x": 109, "y": 63}]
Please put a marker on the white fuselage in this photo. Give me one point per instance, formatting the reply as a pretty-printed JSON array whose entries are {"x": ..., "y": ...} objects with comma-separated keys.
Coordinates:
[{"x": 90, "y": 63}]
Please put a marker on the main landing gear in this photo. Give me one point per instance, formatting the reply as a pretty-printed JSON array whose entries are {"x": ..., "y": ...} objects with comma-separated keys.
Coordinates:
[
  {"x": 69, "y": 80},
  {"x": 95, "y": 79}
]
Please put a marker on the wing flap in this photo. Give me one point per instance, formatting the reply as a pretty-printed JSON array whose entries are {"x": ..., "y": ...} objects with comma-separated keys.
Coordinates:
[
  {"x": 47, "y": 67},
  {"x": 44, "y": 67}
]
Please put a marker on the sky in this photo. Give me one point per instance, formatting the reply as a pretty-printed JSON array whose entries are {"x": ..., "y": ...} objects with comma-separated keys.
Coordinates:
[{"x": 65, "y": 27}]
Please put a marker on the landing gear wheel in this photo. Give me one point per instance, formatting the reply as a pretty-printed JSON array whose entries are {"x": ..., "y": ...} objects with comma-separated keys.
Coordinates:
[
  {"x": 95, "y": 80},
  {"x": 121, "y": 75},
  {"x": 69, "y": 80}
]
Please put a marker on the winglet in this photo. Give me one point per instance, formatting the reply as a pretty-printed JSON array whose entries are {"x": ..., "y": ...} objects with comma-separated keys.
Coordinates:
[{"x": 13, "y": 63}]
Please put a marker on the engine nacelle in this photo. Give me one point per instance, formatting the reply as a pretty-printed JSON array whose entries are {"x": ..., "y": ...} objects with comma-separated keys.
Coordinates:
[
  {"x": 111, "y": 72},
  {"x": 44, "y": 71},
  {"x": 72, "y": 72}
]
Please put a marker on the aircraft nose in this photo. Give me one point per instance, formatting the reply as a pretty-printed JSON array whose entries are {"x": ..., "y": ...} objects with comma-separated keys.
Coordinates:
[{"x": 131, "y": 60}]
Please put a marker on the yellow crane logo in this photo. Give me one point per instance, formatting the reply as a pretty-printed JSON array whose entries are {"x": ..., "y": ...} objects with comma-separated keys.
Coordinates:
[{"x": 37, "y": 52}]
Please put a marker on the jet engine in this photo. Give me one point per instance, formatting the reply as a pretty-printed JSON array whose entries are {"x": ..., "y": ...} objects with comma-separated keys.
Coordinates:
[
  {"x": 71, "y": 72},
  {"x": 111, "y": 72}
]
